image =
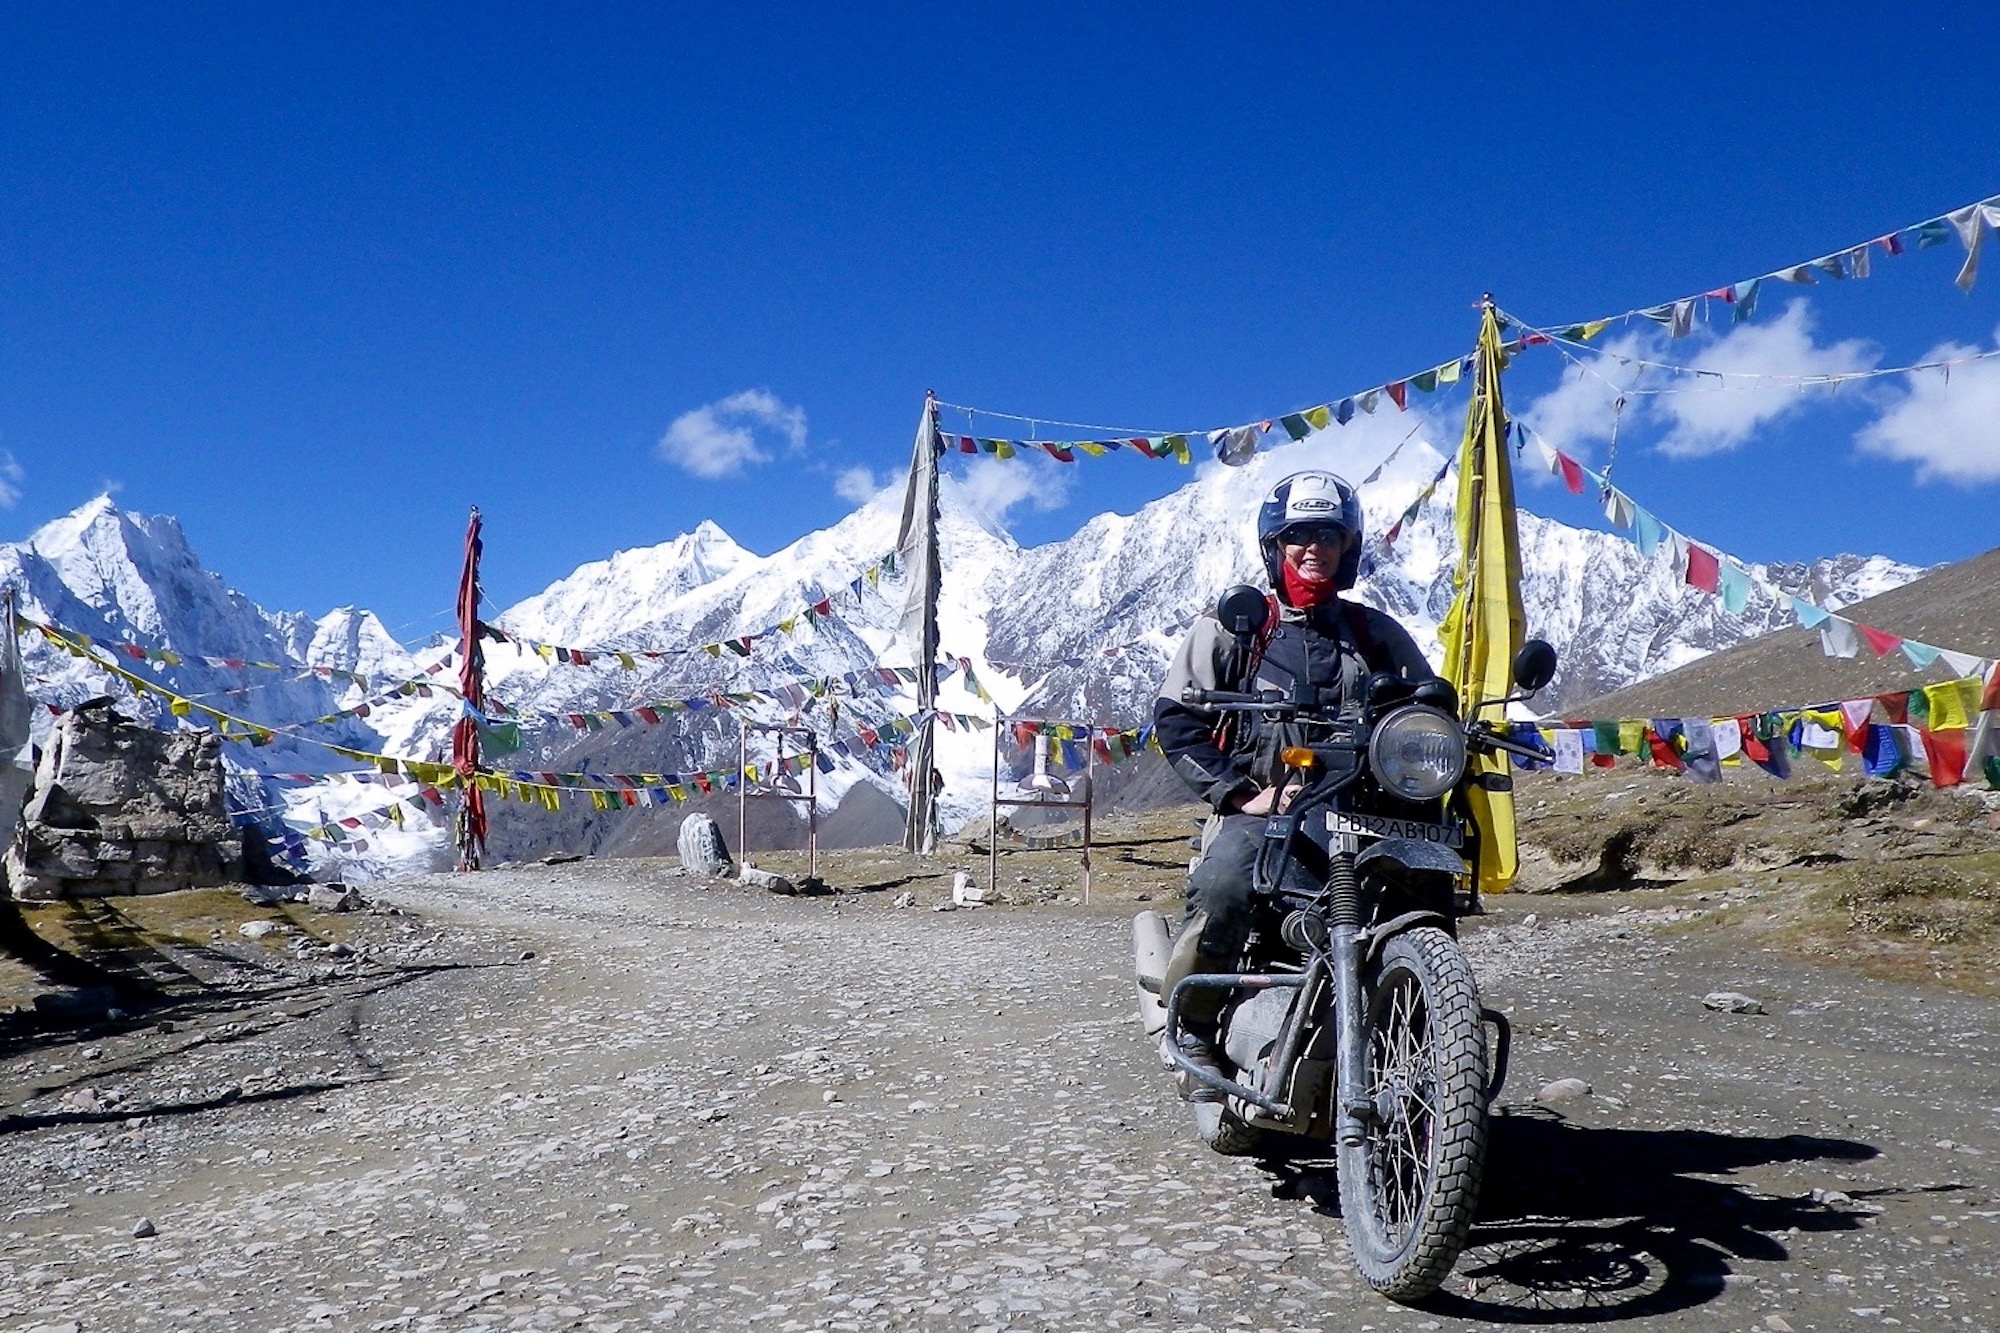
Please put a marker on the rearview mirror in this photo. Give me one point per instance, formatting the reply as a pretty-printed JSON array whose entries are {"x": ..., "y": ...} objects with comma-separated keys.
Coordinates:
[
  {"x": 1243, "y": 611},
  {"x": 1534, "y": 665}
]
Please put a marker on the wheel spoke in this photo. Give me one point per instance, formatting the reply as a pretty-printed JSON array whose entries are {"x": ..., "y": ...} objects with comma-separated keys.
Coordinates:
[{"x": 1402, "y": 1079}]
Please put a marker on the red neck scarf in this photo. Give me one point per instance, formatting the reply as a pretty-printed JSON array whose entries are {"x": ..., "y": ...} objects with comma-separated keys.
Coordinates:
[{"x": 1302, "y": 592}]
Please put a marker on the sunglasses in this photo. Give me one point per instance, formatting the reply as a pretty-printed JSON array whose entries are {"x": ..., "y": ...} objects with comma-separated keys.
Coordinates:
[{"x": 1314, "y": 534}]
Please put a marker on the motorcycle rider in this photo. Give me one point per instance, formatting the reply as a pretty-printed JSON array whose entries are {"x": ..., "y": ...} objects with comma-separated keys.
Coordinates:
[{"x": 1309, "y": 534}]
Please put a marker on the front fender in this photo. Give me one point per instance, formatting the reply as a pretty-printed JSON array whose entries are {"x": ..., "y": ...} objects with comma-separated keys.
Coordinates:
[{"x": 1395, "y": 858}]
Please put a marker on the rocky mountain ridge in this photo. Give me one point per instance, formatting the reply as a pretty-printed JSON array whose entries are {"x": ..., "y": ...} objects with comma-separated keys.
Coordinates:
[{"x": 1080, "y": 629}]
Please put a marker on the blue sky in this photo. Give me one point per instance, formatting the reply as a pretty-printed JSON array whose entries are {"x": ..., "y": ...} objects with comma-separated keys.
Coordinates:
[{"x": 316, "y": 281}]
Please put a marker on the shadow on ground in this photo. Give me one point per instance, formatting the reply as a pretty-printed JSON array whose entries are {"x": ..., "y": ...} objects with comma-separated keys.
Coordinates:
[{"x": 1584, "y": 1225}]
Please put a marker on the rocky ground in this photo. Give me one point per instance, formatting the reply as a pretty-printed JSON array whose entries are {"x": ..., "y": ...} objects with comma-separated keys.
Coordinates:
[{"x": 609, "y": 1095}]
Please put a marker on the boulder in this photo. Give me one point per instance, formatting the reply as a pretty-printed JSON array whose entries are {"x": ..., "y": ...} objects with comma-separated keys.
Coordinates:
[
  {"x": 701, "y": 847},
  {"x": 116, "y": 807},
  {"x": 764, "y": 879},
  {"x": 333, "y": 898}
]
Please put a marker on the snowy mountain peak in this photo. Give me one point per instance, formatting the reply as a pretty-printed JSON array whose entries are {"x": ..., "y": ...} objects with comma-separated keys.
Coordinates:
[
  {"x": 350, "y": 639},
  {"x": 606, "y": 599},
  {"x": 117, "y": 564}
]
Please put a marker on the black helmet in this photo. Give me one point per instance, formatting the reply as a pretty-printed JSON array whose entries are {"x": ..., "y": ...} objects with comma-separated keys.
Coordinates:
[{"x": 1318, "y": 499}]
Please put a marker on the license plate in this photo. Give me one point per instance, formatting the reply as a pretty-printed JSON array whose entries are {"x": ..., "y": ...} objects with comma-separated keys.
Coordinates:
[{"x": 1381, "y": 826}]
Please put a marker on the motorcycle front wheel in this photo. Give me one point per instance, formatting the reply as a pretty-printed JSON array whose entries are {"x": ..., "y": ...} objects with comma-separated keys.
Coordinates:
[{"x": 1408, "y": 1193}]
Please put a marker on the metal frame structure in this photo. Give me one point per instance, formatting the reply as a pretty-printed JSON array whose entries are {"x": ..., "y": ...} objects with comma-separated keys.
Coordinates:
[
  {"x": 772, "y": 792},
  {"x": 1001, "y": 725}
]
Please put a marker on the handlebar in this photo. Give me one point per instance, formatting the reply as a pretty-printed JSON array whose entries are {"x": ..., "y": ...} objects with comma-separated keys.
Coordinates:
[
  {"x": 1480, "y": 734},
  {"x": 1258, "y": 701}
]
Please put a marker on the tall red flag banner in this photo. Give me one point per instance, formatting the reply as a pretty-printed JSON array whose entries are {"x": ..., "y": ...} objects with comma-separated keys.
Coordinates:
[{"x": 470, "y": 833}]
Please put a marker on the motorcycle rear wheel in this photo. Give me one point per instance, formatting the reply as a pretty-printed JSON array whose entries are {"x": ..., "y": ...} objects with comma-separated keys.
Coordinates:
[{"x": 1408, "y": 1193}]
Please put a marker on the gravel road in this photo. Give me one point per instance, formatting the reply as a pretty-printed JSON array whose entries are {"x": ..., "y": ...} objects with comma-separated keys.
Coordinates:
[{"x": 699, "y": 1106}]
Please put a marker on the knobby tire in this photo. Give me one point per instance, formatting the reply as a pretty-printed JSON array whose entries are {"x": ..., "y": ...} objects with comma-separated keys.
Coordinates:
[{"x": 1408, "y": 1194}]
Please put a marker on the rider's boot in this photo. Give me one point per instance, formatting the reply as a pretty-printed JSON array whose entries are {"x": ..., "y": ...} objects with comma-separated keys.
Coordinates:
[
  {"x": 1200, "y": 1052},
  {"x": 1199, "y": 1013}
]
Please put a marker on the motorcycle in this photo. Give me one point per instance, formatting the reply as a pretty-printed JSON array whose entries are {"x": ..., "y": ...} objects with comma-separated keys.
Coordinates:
[{"x": 1354, "y": 1018}]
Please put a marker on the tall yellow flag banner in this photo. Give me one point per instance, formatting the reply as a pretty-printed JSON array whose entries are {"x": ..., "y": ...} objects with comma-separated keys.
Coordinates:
[{"x": 1483, "y": 630}]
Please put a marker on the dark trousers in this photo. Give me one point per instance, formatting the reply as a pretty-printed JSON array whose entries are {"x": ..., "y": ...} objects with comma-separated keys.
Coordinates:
[{"x": 1218, "y": 906}]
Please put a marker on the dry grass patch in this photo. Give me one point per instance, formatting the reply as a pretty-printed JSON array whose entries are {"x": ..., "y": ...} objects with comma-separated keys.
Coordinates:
[{"x": 132, "y": 937}]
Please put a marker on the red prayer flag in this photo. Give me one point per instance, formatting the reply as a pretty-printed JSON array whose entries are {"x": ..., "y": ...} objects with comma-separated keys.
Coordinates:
[
  {"x": 1704, "y": 570},
  {"x": 967, "y": 445},
  {"x": 1946, "y": 751},
  {"x": 1991, "y": 699},
  {"x": 1881, "y": 641},
  {"x": 1895, "y": 706},
  {"x": 1663, "y": 750},
  {"x": 1399, "y": 394},
  {"x": 1572, "y": 473}
]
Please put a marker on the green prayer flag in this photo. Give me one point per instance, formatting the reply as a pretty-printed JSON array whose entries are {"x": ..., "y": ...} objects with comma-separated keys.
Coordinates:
[{"x": 503, "y": 739}]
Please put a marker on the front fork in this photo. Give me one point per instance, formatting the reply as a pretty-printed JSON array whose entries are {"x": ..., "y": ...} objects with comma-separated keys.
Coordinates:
[{"x": 1354, "y": 1108}]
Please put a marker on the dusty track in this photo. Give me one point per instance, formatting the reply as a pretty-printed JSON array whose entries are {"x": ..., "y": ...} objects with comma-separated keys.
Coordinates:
[{"x": 702, "y": 1107}]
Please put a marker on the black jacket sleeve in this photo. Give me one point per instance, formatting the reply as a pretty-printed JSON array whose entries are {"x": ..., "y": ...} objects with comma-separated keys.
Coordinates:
[{"x": 1187, "y": 734}]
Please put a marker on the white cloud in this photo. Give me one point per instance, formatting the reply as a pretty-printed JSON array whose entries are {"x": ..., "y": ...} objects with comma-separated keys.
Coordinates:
[
  {"x": 857, "y": 485},
  {"x": 1716, "y": 416},
  {"x": 11, "y": 477},
  {"x": 993, "y": 488},
  {"x": 721, "y": 438},
  {"x": 1948, "y": 427},
  {"x": 1578, "y": 412}
]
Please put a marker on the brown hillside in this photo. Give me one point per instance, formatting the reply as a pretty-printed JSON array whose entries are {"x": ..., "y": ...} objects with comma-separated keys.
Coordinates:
[{"x": 1955, "y": 607}]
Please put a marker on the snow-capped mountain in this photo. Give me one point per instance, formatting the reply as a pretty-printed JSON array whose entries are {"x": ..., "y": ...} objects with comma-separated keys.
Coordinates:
[
  {"x": 1079, "y": 629},
  {"x": 350, "y": 639},
  {"x": 124, "y": 578}
]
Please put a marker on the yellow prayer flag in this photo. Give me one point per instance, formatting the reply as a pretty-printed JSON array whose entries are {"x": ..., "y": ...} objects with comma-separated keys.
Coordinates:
[
  {"x": 1319, "y": 418},
  {"x": 179, "y": 707},
  {"x": 1484, "y": 627},
  {"x": 1954, "y": 704},
  {"x": 1632, "y": 735},
  {"x": 1595, "y": 327}
]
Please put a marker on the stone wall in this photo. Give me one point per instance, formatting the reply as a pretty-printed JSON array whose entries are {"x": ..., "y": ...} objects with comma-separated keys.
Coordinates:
[{"x": 119, "y": 808}]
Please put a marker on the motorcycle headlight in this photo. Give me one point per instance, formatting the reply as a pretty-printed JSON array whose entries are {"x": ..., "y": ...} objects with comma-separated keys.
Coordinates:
[{"x": 1417, "y": 753}]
